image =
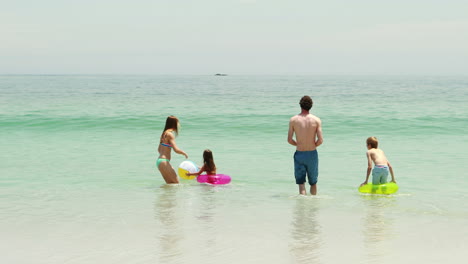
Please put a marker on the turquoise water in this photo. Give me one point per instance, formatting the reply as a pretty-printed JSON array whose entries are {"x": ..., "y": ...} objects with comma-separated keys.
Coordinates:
[{"x": 78, "y": 182}]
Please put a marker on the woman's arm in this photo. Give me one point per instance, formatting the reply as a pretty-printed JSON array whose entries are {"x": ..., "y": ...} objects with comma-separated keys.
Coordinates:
[{"x": 174, "y": 146}]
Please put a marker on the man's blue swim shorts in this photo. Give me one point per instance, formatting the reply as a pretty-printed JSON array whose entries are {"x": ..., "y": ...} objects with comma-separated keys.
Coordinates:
[{"x": 306, "y": 163}]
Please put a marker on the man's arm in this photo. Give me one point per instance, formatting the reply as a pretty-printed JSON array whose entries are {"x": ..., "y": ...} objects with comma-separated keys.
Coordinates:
[
  {"x": 291, "y": 133},
  {"x": 319, "y": 140}
]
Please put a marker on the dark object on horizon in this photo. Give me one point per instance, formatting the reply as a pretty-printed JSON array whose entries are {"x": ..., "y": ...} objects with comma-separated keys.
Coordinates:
[{"x": 220, "y": 74}]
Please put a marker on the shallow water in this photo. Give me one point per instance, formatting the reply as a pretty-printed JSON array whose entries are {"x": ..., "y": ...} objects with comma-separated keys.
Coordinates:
[{"x": 78, "y": 182}]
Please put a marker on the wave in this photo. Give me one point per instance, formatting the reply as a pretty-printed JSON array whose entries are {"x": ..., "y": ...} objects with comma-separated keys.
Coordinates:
[
  {"x": 40, "y": 122},
  {"x": 212, "y": 124},
  {"x": 239, "y": 124},
  {"x": 414, "y": 125}
]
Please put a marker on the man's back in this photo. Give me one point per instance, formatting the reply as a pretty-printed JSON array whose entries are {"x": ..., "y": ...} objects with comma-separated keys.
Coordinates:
[{"x": 307, "y": 129}]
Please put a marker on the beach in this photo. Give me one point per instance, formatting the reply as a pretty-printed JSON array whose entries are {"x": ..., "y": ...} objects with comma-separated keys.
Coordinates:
[{"x": 79, "y": 184}]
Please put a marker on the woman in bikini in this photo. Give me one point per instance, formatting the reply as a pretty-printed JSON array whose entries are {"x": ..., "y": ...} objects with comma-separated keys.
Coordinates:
[{"x": 166, "y": 143}]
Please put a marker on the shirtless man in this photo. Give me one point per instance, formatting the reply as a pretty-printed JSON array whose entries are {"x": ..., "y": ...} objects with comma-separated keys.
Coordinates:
[{"x": 308, "y": 133}]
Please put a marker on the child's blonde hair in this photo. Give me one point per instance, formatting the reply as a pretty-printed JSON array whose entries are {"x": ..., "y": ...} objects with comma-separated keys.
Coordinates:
[{"x": 373, "y": 142}]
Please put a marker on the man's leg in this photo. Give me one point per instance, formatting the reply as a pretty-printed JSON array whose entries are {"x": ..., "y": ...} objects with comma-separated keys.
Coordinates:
[
  {"x": 302, "y": 189},
  {"x": 313, "y": 189}
]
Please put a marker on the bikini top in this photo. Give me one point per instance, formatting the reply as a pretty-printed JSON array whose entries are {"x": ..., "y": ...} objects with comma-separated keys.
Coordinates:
[{"x": 166, "y": 145}]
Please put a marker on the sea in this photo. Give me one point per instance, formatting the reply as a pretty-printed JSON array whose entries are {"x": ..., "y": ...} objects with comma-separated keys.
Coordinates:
[{"x": 78, "y": 181}]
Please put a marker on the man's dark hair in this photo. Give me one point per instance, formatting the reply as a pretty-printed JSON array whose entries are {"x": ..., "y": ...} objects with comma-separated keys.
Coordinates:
[{"x": 306, "y": 102}]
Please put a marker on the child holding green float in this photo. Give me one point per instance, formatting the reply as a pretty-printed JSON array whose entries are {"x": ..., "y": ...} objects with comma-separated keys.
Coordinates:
[{"x": 381, "y": 164}]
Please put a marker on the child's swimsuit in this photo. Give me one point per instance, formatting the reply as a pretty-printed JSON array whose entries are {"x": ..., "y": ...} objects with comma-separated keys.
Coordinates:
[{"x": 379, "y": 174}]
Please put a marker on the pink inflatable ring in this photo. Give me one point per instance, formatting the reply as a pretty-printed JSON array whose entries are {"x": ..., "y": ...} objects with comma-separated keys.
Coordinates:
[{"x": 216, "y": 179}]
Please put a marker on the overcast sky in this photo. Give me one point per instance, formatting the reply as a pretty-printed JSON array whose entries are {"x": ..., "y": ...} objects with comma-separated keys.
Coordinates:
[{"x": 234, "y": 37}]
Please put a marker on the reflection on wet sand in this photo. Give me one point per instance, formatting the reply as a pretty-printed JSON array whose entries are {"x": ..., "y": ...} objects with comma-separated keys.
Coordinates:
[
  {"x": 305, "y": 231},
  {"x": 206, "y": 215},
  {"x": 377, "y": 228},
  {"x": 170, "y": 234}
]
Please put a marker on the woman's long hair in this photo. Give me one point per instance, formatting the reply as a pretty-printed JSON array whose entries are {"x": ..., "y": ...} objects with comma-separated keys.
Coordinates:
[
  {"x": 171, "y": 123},
  {"x": 208, "y": 161}
]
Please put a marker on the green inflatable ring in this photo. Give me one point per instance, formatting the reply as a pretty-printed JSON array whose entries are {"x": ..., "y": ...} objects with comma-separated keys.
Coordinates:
[{"x": 386, "y": 188}]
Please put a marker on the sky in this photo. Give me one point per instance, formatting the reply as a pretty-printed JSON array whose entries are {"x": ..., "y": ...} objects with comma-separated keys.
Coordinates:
[{"x": 403, "y": 37}]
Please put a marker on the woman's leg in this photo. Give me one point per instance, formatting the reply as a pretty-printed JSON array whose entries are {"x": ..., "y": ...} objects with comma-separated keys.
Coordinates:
[{"x": 168, "y": 172}]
